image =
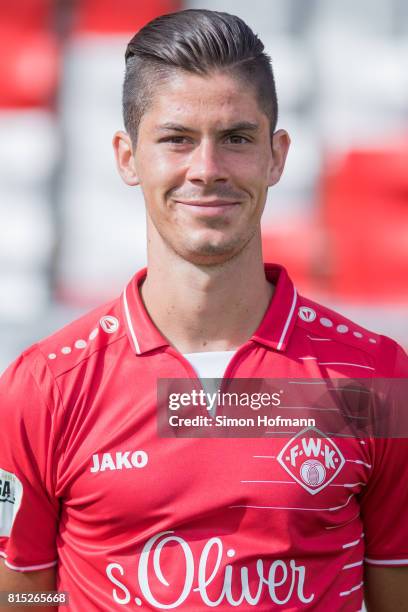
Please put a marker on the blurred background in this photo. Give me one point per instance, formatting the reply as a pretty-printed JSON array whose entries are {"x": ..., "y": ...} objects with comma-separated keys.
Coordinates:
[{"x": 72, "y": 234}]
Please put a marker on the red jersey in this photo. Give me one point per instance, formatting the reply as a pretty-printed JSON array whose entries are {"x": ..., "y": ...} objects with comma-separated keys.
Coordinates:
[{"x": 137, "y": 521}]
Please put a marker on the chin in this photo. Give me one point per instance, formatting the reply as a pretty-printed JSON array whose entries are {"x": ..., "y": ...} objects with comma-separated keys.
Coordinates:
[{"x": 212, "y": 254}]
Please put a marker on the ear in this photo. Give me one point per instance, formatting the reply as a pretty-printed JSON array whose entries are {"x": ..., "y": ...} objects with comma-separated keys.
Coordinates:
[
  {"x": 280, "y": 147},
  {"x": 125, "y": 161}
]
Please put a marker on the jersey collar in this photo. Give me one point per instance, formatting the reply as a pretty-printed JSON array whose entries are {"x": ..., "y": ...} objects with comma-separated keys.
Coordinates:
[
  {"x": 274, "y": 330},
  {"x": 279, "y": 320}
]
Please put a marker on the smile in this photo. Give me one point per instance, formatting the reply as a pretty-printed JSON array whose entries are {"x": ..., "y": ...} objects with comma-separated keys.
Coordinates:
[
  {"x": 208, "y": 203},
  {"x": 213, "y": 208}
]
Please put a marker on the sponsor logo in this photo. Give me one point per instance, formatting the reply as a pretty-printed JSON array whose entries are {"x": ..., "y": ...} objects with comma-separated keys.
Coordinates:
[
  {"x": 11, "y": 493},
  {"x": 109, "y": 324},
  {"x": 312, "y": 461},
  {"x": 212, "y": 577},
  {"x": 119, "y": 460},
  {"x": 6, "y": 494},
  {"x": 307, "y": 314}
]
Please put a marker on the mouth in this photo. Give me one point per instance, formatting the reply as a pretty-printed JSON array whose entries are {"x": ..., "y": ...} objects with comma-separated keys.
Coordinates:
[
  {"x": 207, "y": 203},
  {"x": 209, "y": 208}
]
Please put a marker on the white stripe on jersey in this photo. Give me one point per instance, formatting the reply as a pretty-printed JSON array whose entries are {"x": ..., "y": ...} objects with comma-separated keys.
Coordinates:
[
  {"x": 350, "y": 565},
  {"x": 354, "y": 543},
  {"x": 386, "y": 561},
  {"x": 359, "y": 462},
  {"x": 285, "y": 329},
  {"x": 30, "y": 568},
  {"x": 319, "y": 339},
  {"x": 344, "y": 524},
  {"x": 129, "y": 320},
  {"x": 293, "y": 508},
  {"x": 354, "y": 588},
  {"x": 346, "y": 363}
]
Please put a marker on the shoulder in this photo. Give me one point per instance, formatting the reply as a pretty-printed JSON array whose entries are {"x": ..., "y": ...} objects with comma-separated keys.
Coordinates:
[
  {"x": 324, "y": 322},
  {"x": 63, "y": 350},
  {"x": 321, "y": 324},
  {"x": 37, "y": 387},
  {"x": 76, "y": 342}
]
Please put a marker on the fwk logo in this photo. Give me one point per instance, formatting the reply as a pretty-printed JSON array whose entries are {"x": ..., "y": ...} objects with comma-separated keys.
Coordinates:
[
  {"x": 127, "y": 460},
  {"x": 312, "y": 462}
]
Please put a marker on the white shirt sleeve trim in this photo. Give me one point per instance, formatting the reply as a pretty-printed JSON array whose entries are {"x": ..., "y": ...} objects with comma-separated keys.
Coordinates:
[
  {"x": 30, "y": 568},
  {"x": 386, "y": 561}
]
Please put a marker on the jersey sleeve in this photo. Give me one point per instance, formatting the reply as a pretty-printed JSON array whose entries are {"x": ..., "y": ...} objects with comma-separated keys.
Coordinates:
[
  {"x": 385, "y": 501},
  {"x": 28, "y": 507}
]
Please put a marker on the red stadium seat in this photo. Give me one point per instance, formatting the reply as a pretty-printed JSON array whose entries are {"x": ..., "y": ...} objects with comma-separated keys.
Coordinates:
[
  {"x": 116, "y": 16},
  {"x": 29, "y": 65},
  {"x": 28, "y": 53},
  {"x": 28, "y": 14},
  {"x": 365, "y": 207},
  {"x": 297, "y": 244}
]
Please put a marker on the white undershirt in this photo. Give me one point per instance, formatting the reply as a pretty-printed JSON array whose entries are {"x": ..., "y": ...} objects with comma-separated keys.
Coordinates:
[
  {"x": 209, "y": 367},
  {"x": 210, "y": 364}
]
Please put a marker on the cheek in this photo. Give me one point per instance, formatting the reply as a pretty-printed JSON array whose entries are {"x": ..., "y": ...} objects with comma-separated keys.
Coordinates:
[
  {"x": 254, "y": 186},
  {"x": 162, "y": 173},
  {"x": 252, "y": 170}
]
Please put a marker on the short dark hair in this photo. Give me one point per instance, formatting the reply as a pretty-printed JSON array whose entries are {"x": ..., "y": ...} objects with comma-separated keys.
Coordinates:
[{"x": 197, "y": 41}]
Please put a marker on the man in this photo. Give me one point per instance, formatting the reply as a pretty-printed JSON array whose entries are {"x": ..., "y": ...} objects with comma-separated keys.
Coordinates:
[{"x": 122, "y": 518}]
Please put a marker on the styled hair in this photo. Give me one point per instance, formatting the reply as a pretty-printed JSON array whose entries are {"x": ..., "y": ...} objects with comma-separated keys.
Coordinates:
[{"x": 196, "y": 41}]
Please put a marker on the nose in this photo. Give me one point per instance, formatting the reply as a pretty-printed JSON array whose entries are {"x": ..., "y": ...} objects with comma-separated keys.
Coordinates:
[{"x": 206, "y": 165}]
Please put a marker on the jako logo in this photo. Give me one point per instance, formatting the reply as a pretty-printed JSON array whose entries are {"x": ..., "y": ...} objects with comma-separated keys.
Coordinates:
[
  {"x": 307, "y": 314},
  {"x": 109, "y": 324},
  {"x": 312, "y": 462},
  {"x": 128, "y": 460}
]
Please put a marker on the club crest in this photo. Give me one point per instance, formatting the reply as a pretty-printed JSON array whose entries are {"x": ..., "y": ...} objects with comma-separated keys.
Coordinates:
[{"x": 312, "y": 461}]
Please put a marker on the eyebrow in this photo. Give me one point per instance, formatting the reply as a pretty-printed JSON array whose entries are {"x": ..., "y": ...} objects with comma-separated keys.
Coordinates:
[{"x": 235, "y": 127}]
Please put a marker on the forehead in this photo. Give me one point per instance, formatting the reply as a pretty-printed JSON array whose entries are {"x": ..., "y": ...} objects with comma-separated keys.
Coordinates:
[{"x": 217, "y": 98}]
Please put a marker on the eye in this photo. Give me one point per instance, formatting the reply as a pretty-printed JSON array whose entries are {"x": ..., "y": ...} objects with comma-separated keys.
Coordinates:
[
  {"x": 177, "y": 140},
  {"x": 237, "y": 139}
]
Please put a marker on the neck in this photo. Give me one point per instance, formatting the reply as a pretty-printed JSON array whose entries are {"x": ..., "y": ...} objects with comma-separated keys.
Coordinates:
[{"x": 206, "y": 308}]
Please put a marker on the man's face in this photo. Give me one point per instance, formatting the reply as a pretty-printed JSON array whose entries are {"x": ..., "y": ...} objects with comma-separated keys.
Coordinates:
[{"x": 204, "y": 161}]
